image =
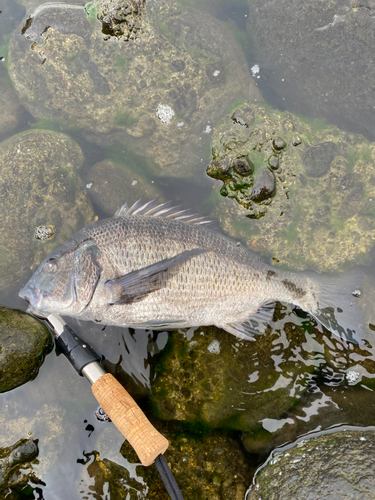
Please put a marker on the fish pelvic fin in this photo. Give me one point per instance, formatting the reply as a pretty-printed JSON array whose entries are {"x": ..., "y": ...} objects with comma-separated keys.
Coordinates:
[
  {"x": 136, "y": 285},
  {"x": 155, "y": 209},
  {"x": 338, "y": 306}
]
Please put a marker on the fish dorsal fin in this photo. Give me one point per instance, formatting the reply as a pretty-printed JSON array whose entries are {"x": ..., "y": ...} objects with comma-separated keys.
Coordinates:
[{"x": 155, "y": 209}]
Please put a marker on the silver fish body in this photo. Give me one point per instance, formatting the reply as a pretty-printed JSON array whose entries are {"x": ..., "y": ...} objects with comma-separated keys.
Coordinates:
[{"x": 154, "y": 268}]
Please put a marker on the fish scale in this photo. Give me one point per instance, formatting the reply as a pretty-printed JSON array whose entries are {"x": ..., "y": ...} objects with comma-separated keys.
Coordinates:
[{"x": 155, "y": 267}]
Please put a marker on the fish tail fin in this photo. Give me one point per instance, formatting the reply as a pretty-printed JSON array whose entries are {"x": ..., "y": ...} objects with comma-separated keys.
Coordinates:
[{"x": 338, "y": 305}]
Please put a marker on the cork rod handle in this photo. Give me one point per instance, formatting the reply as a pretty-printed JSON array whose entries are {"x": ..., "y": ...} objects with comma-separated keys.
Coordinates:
[{"x": 129, "y": 419}]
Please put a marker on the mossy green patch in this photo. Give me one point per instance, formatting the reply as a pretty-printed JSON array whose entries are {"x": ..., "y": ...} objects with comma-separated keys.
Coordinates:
[{"x": 124, "y": 119}]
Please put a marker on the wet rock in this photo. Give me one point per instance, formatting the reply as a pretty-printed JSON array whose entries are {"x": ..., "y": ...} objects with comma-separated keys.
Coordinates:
[
  {"x": 180, "y": 60},
  {"x": 24, "y": 341},
  {"x": 215, "y": 380},
  {"x": 243, "y": 166},
  {"x": 110, "y": 185},
  {"x": 264, "y": 186},
  {"x": 278, "y": 143},
  {"x": 328, "y": 54},
  {"x": 209, "y": 467},
  {"x": 333, "y": 465},
  {"x": 328, "y": 168},
  {"x": 16, "y": 466},
  {"x": 317, "y": 160},
  {"x": 243, "y": 116},
  {"x": 39, "y": 185},
  {"x": 274, "y": 162}
]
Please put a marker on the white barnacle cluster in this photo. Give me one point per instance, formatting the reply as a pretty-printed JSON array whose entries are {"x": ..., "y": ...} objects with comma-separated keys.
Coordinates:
[
  {"x": 44, "y": 232},
  {"x": 352, "y": 377},
  {"x": 214, "y": 347},
  {"x": 255, "y": 70},
  {"x": 164, "y": 113}
]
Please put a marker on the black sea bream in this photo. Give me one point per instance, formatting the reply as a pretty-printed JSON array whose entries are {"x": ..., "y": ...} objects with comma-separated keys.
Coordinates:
[{"x": 152, "y": 267}]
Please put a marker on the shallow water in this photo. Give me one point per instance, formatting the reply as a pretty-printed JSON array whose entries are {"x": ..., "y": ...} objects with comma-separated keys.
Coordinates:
[{"x": 333, "y": 383}]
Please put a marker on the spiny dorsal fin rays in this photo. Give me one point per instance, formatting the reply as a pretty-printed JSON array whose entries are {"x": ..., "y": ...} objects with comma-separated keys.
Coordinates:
[{"x": 152, "y": 208}]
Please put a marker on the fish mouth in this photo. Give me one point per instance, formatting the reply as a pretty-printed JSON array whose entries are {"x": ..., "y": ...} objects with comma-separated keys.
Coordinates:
[{"x": 34, "y": 298}]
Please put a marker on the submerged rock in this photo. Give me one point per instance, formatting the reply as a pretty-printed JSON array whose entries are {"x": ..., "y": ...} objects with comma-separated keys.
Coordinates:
[
  {"x": 150, "y": 75},
  {"x": 318, "y": 59},
  {"x": 39, "y": 186},
  {"x": 24, "y": 342},
  {"x": 215, "y": 380},
  {"x": 333, "y": 465},
  {"x": 111, "y": 185},
  {"x": 311, "y": 186},
  {"x": 209, "y": 467},
  {"x": 16, "y": 467}
]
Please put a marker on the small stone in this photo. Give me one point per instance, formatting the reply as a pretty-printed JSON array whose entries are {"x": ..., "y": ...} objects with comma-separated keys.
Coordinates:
[
  {"x": 219, "y": 168},
  {"x": 274, "y": 162},
  {"x": 264, "y": 186},
  {"x": 278, "y": 143},
  {"x": 243, "y": 165},
  {"x": 243, "y": 116},
  {"x": 296, "y": 141}
]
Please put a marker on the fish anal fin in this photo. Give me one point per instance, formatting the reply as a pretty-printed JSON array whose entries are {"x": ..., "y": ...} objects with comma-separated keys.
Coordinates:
[
  {"x": 256, "y": 324},
  {"x": 136, "y": 285}
]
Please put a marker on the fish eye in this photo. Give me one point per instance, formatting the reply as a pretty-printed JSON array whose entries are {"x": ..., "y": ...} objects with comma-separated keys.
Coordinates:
[{"x": 51, "y": 266}]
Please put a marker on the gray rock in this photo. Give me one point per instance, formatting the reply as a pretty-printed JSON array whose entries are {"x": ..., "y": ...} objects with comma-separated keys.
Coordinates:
[
  {"x": 319, "y": 60},
  {"x": 333, "y": 466},
  {"x": 24, "y": 341}
]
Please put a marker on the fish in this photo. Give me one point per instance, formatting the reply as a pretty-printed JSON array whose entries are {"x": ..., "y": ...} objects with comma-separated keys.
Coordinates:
[{"x": 156, "y": 267}]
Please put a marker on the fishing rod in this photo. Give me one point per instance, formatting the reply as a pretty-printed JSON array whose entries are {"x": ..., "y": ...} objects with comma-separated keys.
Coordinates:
[{"x": 117, "y": 403}]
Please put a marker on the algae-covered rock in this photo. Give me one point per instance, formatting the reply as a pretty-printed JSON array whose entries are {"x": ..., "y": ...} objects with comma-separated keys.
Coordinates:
[
  {"x": 215, "y": 380},
  {"x": 42, "y": 199},
  {"x": 208, "y": 467},
  {"x": 16, "y": 467},
  {"x": 331, "y": 466},
  {"x": 111, "y": 185},
  {"x": 318, "y": 58},
  {"x": 309, "y": 191},
  {"x": 24, "y": 342},
  {"x": 148, "y": 75}
]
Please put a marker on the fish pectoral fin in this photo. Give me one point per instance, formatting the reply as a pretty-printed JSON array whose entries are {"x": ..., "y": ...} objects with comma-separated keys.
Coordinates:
[
  {"x": 136, "y": 285},
  {"x": 256, "y": 324}
]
